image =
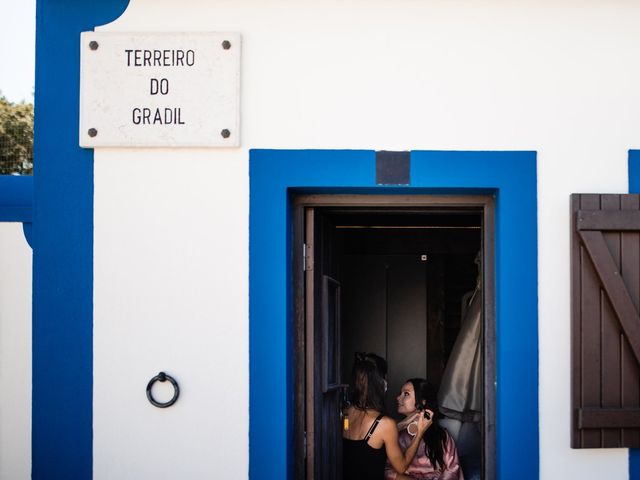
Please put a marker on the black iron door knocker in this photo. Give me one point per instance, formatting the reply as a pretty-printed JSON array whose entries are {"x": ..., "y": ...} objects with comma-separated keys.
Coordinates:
[{"x": 163, "y": 377}]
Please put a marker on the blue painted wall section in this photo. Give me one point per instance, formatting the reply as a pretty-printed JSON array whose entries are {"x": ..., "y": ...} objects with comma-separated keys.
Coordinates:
[
  {"x": 16, "y": 202},
  {"x": 634, "y": 187},
  {"x": 16, "y": 198},
  {"x": 510, "y": 175},
  {"x": 63, "y": 245}
]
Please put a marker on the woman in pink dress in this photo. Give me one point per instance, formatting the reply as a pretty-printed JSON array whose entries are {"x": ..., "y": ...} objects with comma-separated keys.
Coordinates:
[{"x": 437, "y": 458}]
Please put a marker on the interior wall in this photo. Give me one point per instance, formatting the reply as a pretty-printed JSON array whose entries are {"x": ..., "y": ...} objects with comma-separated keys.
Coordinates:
[
  {"x": 171, "y": 290},
  {"x": 396, "y": 332},
  {"x": 15, "y": 352},
  {"x": 402, "y": 291}
]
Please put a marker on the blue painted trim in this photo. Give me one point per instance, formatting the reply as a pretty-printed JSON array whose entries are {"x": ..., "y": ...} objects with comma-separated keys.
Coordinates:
[
  {"x": 63, "y": 240},
  {"x": 16, "y": 198},
  {"x": 510, "y": 175},
  {"x": 634, "y": 187},
  {"x": 634, "y": 464},
  {"x": 27, "y": 230},
  {"x": 634, "y": 171}
]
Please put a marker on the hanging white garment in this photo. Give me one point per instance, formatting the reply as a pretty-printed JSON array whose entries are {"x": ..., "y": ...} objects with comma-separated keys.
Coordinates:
[{"x": 460, "y": 394}]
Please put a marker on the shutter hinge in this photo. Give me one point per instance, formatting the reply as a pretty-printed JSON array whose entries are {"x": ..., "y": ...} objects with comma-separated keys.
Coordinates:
[
  {"x": 304, "y": 447},
  {"x": 307, "y": 257}
]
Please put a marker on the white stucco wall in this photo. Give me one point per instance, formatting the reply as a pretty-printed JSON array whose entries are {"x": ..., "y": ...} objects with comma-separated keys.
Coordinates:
[
  {"x": 15, "y": 353},
  {"x": 171, "y": 226}
]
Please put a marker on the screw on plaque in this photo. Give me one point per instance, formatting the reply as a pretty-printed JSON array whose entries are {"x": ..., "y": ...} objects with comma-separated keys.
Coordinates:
[
  {"x": 226, "y": 44},
  {"x": 92, "y": 132},
  {"x": 225, "y": 133},
  {"x": 93, "y": 45}
]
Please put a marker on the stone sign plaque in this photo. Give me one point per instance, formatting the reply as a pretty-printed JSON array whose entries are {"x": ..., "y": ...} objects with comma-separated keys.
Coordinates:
[{"x": 160, "y": 89}]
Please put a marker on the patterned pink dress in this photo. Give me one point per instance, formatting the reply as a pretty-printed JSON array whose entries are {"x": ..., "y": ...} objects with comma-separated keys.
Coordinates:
[{"x": 421, "y": 467}]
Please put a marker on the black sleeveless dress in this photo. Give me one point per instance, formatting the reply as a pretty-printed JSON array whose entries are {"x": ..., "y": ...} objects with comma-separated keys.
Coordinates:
[{"x": 360, "y": 461}]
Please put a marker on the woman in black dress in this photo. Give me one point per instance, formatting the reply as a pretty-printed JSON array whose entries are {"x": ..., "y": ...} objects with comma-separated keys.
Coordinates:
[{"x": 370, "y": 437}]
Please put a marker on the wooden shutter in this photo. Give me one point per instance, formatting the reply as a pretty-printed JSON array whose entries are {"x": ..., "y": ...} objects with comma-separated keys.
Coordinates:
[{"x": 605, "y": 283}]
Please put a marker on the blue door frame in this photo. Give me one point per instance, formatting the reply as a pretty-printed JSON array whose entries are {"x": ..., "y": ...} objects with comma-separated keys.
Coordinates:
[{"x": 510, "y": 176}]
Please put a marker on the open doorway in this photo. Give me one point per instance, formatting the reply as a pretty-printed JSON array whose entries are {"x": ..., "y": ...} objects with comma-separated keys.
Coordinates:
[{"x": 392, "y": 275}]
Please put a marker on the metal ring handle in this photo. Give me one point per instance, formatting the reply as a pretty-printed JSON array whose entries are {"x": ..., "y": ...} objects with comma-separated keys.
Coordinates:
[{"x": 163, "y": 377}]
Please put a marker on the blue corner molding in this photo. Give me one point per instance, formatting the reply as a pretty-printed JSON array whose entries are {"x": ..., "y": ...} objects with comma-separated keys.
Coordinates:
[{"x": 62, "y": 394}]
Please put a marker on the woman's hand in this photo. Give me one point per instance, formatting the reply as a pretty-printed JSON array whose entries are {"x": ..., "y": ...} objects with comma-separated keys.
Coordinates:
[
  {"x": 400, "y": 460},
  {"x": 423, "y": 422}
]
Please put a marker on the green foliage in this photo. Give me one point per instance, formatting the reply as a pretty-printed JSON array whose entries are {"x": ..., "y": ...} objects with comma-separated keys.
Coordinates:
[{"x": 16, "y": 138}]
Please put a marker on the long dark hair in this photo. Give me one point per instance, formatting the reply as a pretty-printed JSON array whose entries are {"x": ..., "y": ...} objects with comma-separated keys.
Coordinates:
[
  {"x": 368, "y": 384},
  {"x": 435, "y": 437}
]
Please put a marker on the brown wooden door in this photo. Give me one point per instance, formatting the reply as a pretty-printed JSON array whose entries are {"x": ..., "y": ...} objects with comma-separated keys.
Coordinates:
[{"x": 323, "y": 343}]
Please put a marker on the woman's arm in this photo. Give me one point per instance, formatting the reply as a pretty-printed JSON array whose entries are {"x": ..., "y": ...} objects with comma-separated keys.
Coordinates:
[
  {"x": 399, "y": 460},
  {"x": 402, "y": 424}
]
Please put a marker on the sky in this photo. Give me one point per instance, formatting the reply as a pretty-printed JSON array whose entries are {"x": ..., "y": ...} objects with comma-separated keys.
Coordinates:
[{"x": 18, "y": 49}]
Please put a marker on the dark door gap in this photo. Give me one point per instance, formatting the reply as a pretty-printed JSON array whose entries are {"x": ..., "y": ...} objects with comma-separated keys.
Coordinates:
[{"x": 402, "y": 273}]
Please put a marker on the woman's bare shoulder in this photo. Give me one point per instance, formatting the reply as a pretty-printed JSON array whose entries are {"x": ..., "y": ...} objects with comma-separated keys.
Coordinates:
[{"x": 388, "y": 423}]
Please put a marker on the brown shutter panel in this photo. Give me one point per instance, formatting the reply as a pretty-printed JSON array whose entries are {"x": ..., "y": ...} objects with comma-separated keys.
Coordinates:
[{"x": 605, "y": 343}]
